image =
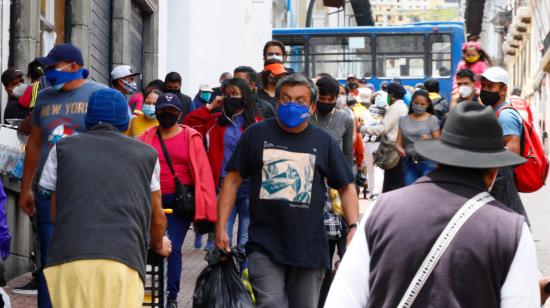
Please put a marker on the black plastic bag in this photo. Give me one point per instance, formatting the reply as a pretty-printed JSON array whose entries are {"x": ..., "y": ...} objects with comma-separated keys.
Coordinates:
[{"x": 219, "y": 284}]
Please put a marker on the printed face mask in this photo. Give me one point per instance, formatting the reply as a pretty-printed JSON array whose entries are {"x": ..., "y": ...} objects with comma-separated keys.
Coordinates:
[
  {"x": 129, "y": 87},
  {"x": 292, "y": 114},
  {"x": 465, "y": 91}
]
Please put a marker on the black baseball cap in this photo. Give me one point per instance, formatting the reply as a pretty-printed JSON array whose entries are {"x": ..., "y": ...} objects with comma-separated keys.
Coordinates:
[
  {"x": 65, "y": 52},
  {"x": 168, "y": 100},
  {"x": 10, "y": 75}
]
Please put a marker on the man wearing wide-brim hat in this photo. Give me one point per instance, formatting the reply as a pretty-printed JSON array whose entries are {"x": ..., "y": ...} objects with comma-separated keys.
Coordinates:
[{"x": 491, "y": 262}]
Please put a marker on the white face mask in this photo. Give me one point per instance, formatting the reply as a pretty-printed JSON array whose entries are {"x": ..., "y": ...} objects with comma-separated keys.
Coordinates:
[
  {"x": 276, "y": 57},
  {"x": 341, "y": 100},
  {"x": 20, "y": 89},
  {"x": 465, "y": 91}
]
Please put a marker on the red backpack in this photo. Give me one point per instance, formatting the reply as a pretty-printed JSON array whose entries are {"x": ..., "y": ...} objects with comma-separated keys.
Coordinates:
[
  {"x": 531, "y": 175},
  {"x": 522, "y": 106}
]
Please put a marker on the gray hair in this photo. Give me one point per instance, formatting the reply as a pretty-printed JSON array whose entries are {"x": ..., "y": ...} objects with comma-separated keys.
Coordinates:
[{"x": 297, "y": 80}]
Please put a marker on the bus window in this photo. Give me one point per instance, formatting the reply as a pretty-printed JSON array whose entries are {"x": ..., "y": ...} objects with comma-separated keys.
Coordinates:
[
  {"x": 340, "y": 56},
  {"x": 440, "y": 55},
  {"x": 295, "y": 58},
  {"x": 294, "y": 45},
  {"x": 400, "y": 56}
]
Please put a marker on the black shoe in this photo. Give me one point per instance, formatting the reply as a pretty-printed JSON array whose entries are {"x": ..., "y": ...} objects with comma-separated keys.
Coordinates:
[
  {"x": 172, "y": 303},
  {"x": 29, "y": 289}
]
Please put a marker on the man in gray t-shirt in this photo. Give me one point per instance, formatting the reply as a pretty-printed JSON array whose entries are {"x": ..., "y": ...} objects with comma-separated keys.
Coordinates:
[{"x": 59, "y": 112}]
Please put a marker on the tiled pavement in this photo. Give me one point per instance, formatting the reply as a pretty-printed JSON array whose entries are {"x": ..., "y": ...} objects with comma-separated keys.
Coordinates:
[{"x": 193, "y": 263}]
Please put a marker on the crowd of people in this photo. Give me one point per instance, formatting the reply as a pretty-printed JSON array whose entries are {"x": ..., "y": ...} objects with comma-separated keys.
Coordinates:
[{"x": 287, "y": 157}]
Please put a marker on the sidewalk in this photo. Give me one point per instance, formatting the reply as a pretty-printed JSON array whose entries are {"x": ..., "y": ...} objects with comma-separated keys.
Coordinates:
[{"x": 193, "y": 263}]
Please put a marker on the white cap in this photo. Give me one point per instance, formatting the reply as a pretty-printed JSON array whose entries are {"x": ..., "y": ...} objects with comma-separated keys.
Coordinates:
[
  {"x": 205, "y": 88},
  {"x": 494, "y": 74},
  {"x": 122, "y": 71}
]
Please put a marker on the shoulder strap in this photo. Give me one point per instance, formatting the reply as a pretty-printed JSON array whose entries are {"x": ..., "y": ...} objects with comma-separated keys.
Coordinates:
[
  {"x": 165, "y": 151},
  {"x": 442, "y": 243}
]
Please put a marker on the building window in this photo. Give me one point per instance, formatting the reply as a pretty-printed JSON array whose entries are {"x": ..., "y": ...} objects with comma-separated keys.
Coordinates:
[{"x": 52, "y": 24}]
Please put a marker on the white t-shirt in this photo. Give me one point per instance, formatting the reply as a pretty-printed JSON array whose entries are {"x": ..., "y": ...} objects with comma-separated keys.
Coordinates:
[{"x": 48, "y": 180}]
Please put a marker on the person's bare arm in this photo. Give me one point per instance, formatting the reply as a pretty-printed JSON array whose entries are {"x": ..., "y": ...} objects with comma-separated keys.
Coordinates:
[
  {"x": 226, "y": 199},
  {"x": 350, "y": 206},
  {"x": 513, "y": 143},
  {"x": 32, "y": 158},
  {"x": 436, "y": 134},
  {"x": 158, "y": 226},
  {"x": 399, "y": 144}
]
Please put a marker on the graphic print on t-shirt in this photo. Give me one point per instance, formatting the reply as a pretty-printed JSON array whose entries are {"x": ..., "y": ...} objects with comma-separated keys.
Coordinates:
[{"x": 287, "y": 176}]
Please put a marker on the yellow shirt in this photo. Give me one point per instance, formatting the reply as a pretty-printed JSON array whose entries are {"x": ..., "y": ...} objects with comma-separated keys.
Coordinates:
[{"x": 139, "y": 124}]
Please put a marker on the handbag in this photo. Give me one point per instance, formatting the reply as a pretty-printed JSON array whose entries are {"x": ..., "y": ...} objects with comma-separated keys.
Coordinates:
[
  {"x": 386, "y": 157},
  {"x": 438, "y": 249},
  {"x": 185, "y": 195}
]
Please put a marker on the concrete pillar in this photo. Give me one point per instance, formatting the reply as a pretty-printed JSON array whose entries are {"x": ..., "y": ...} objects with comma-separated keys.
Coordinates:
[
  {"x": 25, "y": 33},
  {"x": 120, "y": 41},
  {"x": 151, "y": 47},
  {"x": 81, "y": 11}
]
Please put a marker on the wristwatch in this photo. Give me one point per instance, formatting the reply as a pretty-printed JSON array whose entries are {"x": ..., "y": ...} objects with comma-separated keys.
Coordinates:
[{"x": 352, "y": 226}]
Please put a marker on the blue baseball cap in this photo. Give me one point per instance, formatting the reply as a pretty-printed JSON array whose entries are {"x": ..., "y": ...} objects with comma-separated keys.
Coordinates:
[
  {"x": 108, "y": 106},
  {"x": 65, "y": 52},
  {"x": 168, "y": 100}
]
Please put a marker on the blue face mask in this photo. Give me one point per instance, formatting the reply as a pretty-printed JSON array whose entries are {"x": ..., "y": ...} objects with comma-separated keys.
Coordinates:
[
  {"x": 149, "y": 111},
  {"x": 292, "y": 114},
  {"x": 206, "y": 96},
  {"x": 57, "y": 78}
]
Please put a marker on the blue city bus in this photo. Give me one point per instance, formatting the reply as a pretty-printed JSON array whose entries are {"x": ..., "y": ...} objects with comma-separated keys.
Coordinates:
[{"x": 411, "y": 52}]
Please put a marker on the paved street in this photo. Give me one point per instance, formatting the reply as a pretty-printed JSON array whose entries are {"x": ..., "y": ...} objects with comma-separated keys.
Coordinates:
[
  {"x": 538, "y": 207},
  {"x": 538, "y": 210}
]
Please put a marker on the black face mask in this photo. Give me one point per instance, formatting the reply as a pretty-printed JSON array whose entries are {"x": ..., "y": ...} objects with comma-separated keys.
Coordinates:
[
  {"x": 489, "y": 98},
  {"x": 272, "y": 80},
  {"x": 325, "y": 108},
  {"x": 175, "y": 91},
  {"x": 232, "y": 104},
  {"x": 167, "y": 120}
]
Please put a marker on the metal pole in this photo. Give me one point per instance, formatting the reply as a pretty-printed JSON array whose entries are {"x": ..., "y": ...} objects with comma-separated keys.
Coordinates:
[{"x": 310, "y": 13}]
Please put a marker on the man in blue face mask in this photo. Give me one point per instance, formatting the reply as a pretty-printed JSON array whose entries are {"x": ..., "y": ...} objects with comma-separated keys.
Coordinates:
[
  {"x": 288, "y": 161},
  {"x": 59, "y": 112}
]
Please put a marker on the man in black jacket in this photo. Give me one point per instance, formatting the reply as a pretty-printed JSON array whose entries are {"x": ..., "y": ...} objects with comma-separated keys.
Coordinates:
[{"x": 172, "y": 83}]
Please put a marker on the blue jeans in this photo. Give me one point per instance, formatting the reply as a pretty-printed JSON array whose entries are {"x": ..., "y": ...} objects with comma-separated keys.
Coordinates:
[
  {"x": 240, "y": 208},
  {"x": 413, "y": 170},
  {"x": 177, "y": 229},
  {"x": 45, "y": 232}
]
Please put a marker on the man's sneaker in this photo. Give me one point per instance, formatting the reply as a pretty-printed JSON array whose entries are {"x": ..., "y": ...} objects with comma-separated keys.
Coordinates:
[
  {"x": 172, "y": 303},
  {"x": 28, "y": 289}
]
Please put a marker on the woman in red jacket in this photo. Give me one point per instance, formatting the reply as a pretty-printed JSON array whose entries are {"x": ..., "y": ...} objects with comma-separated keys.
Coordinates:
[
  {"x": 222, "y": 130},
  {"x": 187, "y": 157}
]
